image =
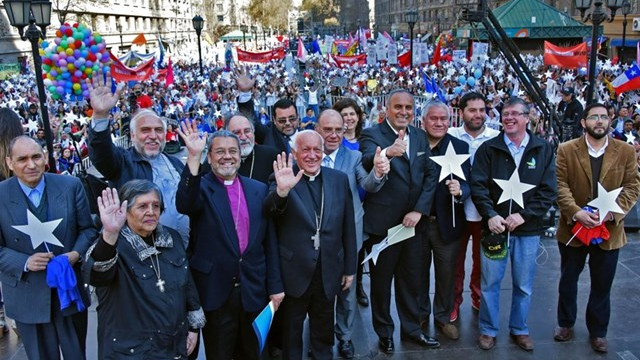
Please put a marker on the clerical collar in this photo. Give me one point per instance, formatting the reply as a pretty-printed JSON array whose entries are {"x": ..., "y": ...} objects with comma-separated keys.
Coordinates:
[
  {"x": 313, "y": 177},
  {"x": 226, "y": 182}
]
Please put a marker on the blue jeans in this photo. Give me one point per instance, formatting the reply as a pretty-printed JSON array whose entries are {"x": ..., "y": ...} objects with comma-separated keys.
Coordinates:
[{"x": 522, "y": 251}]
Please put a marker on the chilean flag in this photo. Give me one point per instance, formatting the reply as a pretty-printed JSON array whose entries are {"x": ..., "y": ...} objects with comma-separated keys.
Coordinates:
[{"x": 628, "y": 80}]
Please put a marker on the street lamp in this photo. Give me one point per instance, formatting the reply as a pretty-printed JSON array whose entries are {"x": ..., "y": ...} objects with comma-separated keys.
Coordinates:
[
  {"x": 597, "y": 16},
  {"x": 198, "y": 24},
  {"x": 243, "y": 28},
  {"x": 254, "y": 30},
  {"x": 119, "y": 28},
  {"x": 411, "y": 17},
  {"x": 626, "y": 9},
  {"x": 26, "y": 13}
]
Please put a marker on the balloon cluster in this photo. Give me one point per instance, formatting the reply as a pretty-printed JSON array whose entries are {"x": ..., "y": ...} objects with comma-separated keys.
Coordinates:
[{"x": 74, "y": 55}]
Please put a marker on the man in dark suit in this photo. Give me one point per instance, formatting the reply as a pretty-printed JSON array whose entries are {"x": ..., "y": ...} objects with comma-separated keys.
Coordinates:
[
  {"x": 336, "y": 156},
  {"x": 235, "y": 262},
  {"x": 581, "y": 164},
  {"x": 313, "y": 210},
  {"x": 404, "y": 199},
  {"x": 282, "y": 127},
  {"x": 45, "y": 328},
  {"x": 441, "y": 237}
]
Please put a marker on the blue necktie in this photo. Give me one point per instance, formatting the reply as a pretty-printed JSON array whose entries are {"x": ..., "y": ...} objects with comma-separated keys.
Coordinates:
[
  {"x": 34, "y": 197},
  {"x": 327, "y": 162}
]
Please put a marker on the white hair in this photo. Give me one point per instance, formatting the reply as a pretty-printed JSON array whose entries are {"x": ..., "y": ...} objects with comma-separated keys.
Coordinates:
[
  {"x": 297, "y": 135},
  {"x": 142, "y": 113}
]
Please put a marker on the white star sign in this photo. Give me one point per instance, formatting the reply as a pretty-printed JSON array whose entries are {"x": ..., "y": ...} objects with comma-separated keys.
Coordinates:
[
  {"x": 450, "y": 163},
  {"x": 513, "y": 189},
  {"x": 606, "y": 202},
  {"x": 630, "y": 138},
  {"x": 40, "y": 232}
]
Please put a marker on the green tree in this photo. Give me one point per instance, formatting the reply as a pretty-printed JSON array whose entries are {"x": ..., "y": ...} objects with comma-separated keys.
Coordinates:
[
  {"x": 270, "y": 13},
  {"x": 321, "y": 9}
]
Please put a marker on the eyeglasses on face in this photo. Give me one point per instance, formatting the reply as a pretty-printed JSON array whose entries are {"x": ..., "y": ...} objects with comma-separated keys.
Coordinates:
[
  {"x": 290, "y": 119},
  {"x": 513, "y": 114},
  {"x": 595, "y": 117}
]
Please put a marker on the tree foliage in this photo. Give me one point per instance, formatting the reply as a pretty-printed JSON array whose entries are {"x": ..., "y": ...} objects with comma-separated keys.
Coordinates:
[
  {"x": 321, "y": 9},
  {"x": 270, "y": 13}
]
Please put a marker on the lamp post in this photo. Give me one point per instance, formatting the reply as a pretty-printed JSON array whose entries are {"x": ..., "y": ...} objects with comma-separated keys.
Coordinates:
[
  {"x": 198, "y": 24},
  {"x": 27, "y": 13},
  {"x": 626, "y": 9},
  {"x": 243, "y": 28},
  {"x": 119, "y": 28},
  {"x": 411, "y": 17},
  {"x": 264, "y": 37},
  {"x": 597, "y": 16},
  {"x": 254, "y": 30}
]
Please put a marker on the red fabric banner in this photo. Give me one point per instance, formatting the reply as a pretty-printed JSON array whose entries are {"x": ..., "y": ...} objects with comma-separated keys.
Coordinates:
[
  {"x": 350, "y": 60},
  {"x": 261, "y": 57},
  {"x": 120, "y": 72},
  {"x": 404, "y": 59},
  {"x": 565, "y": 57}
]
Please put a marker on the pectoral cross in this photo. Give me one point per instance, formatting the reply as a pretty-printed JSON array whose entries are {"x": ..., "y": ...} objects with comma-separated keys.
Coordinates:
[
  {"x": 316, "y": 240},
  {"x": 160, "y": 285}
]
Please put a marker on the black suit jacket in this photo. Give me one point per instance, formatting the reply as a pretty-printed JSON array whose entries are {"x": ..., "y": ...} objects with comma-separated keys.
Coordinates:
[
  {"x": 216, "y": 262},
  {"x": 442, "y": 198},
  {"x": 265, "y": 134},
  {"x": 296, "y": 224},
  {"x": 410, "y": 185}
]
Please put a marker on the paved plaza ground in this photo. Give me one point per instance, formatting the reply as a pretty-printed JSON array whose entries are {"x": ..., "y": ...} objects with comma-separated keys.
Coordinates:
[{"x": 624, "y": 329}]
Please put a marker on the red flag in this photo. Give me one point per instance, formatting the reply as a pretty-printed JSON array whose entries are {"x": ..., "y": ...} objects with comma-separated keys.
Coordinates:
[
  {"x": 169, "y": 80},
  {"x": 260, "y": 57},
  {"x": 404, "y": 59},
  {"x": 120, "y": 72},
  {"x": 139, "y": 40},
  {"x": 565, "y": 57},
  {"x": 302, "y": 51},
  {"x": 435, "y": 60}
]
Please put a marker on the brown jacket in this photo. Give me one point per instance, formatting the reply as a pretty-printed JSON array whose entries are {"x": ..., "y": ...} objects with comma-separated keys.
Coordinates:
[{"x": 573, "y": 167}]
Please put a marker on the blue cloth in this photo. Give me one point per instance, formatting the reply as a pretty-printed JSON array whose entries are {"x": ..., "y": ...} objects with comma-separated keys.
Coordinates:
[
  {"x": 522, "y": 250},
  {"x": 34, "y": 194},
  {"x": 60, "y": 276}
]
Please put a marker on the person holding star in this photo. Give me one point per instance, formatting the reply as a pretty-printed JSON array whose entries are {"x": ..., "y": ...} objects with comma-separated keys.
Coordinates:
[
  {"x": 597, "y": 167},
  {"x": 46, "y": 220},
  {"x": 446, "y": 221},
  {"x": 514, "y": 210}
]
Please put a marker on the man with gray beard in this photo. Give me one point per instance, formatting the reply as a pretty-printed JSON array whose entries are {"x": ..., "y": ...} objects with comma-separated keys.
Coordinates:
[
  {"x": 257, "y": 160},
  {"x": 144, "y": 160}
]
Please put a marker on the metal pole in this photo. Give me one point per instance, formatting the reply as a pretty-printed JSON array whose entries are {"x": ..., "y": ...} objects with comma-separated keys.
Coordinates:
[
  {"x": 244, "y": 41},
  {"x": 411, "y": 42},
  {"x": 596, "y": 19},
  {"x": 200, "y": 54},
  {"x": 624, "y": 36},
  {"x": 33, "y": 34}
]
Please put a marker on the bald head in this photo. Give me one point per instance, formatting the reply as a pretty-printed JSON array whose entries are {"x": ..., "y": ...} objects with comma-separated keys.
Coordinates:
[{"x": 331, "y": 127}]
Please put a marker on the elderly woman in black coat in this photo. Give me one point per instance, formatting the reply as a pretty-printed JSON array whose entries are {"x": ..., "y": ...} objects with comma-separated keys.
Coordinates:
[{"x": 148, "y": 305}]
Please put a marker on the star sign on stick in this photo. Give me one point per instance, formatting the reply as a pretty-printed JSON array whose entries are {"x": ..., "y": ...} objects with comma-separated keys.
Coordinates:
[
  {"x": 606, "y": 202},
  {"x": 450, "y": 163},
  {"x": 40, "y": 232},
  {"x": 513, "y": 189}
]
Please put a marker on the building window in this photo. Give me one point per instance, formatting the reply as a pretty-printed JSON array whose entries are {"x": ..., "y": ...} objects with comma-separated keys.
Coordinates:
[
  {"x": 220, "y": 18},
  {"x": 220, "y": 7}
]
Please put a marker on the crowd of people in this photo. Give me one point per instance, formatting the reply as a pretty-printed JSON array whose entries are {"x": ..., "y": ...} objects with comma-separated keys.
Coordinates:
[{"x": 292, "y": 176}]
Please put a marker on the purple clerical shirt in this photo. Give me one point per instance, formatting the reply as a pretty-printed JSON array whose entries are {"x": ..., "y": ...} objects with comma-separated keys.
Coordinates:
[{"x": 239, "y": 211}]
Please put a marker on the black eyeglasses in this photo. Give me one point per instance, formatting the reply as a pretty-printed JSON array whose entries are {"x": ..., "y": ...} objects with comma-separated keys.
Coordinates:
[{"x": 291, "y": 119}]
